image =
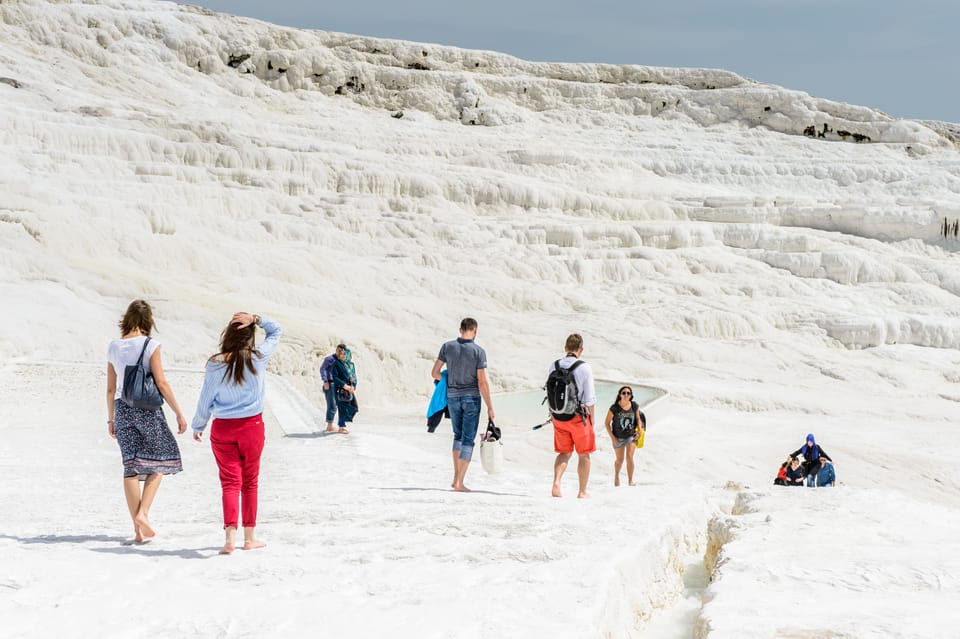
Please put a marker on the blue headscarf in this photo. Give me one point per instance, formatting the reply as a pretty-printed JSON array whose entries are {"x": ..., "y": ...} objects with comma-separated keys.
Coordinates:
[{"x": 814, "y": 449}]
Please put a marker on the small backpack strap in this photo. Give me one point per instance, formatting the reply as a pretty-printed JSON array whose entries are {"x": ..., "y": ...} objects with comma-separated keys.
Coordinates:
[{"x": 142, "y": 351}]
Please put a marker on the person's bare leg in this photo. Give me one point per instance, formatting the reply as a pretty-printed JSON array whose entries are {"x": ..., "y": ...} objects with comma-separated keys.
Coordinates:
[
  {"x": 559, "y": 466},
  {"x": 229, "y": 541},
  {"x": 631, "y": 449},
  {"x": 456, "y": 458},
  {"x": 461, "y": 473},
  {"x": 617, "y": 465},
  {"x": 250, "y": 541},
  {"x": 150, "y": 488},
  {"x": 583, "y": 473},
  {"x": 131, "y": 491}
]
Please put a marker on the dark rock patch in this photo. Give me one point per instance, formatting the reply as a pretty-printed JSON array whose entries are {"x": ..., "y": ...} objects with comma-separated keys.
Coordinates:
[
  {"x": 352, "y": 85},
  {"x": 236, "y": 60}
]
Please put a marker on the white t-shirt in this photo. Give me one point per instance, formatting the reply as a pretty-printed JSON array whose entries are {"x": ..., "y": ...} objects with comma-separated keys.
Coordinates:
[{"x": 125, "y": 352}]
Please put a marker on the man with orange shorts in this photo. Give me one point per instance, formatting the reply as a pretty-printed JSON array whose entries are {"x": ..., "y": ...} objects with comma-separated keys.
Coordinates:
[{"x": 574, "y": 431}]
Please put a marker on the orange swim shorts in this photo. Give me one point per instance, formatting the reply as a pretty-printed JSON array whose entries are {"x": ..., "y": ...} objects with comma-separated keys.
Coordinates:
[{"x": 574, "y": 434}]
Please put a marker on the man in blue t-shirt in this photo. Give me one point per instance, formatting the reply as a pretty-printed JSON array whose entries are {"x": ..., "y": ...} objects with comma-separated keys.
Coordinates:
[{"x": 466, "y": 383}]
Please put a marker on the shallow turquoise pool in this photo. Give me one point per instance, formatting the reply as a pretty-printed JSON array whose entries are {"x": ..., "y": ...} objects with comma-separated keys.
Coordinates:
[{"x": 524, "y": 409}]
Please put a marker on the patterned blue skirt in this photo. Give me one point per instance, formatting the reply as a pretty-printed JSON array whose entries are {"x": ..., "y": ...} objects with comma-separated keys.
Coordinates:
[{"x": 147, "y": 445}]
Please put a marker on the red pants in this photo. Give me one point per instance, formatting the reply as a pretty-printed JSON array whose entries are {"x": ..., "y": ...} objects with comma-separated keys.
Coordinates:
[{"x": 237, "y": 445}]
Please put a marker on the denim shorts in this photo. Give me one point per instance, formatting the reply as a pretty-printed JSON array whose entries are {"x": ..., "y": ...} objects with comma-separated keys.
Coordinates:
[{"x": 465, "y": 415}]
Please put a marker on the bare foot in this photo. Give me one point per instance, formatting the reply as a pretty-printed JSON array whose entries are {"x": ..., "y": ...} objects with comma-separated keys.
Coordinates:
[
  {"x": 461, "y": 489},
  {"x": 343, "y": 431},
  {"x": 556, "y": 491},
  {"x": 253, "y": 544},
  {"x": 136, "y": 541},
  {"x": 144, "y": 530},
  {"x": 632, "y": 483},
  {"x": 583, "y": 496},
  {"x": 227, "y": 549},
  {"x": 616, "y": 480},
  {"x": 331, "y": 428}
]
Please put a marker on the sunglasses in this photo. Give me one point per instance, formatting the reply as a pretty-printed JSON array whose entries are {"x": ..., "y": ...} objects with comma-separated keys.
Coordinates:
[{"x": 626, "y": 394}]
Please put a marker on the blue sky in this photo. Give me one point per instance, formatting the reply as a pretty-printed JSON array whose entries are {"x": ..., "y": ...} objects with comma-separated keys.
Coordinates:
[{"x": 893, "y": 55}]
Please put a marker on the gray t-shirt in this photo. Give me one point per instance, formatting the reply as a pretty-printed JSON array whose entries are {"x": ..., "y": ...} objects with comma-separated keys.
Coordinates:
[{"x": 463, "y": 358}]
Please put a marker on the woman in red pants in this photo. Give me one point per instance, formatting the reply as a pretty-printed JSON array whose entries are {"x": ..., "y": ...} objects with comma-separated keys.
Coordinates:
[{"x": 233, "y": 395}]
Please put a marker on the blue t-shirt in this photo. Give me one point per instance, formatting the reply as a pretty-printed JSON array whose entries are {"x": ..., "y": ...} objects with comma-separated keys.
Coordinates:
[{"x": 463, "y": 359}]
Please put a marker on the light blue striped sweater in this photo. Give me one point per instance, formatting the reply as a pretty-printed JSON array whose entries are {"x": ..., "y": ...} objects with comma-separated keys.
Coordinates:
[{"x": 226, "y": 400}]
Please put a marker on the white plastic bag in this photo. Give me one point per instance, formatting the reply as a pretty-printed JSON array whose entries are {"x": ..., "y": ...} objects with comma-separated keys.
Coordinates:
[{"x": 491, "y": 455}]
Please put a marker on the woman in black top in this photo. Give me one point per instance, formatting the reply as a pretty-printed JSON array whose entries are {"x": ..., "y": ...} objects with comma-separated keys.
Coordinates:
[{"x": 624, "y": 419}]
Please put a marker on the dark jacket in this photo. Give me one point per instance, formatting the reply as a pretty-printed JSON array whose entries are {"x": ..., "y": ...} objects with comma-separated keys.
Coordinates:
[
  {"x": 326, "y": 368},
  {"x": 346, "y": 401},
  {"x": 811, "y": 458},
  {"x": 794, "y": 475},
  {"x": 339, "y": 374}
]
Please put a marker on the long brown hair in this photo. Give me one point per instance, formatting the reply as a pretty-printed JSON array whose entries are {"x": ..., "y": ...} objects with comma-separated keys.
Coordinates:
[
  {"x": 237, "y": 350},
  {"x": 139, "y": 315}
]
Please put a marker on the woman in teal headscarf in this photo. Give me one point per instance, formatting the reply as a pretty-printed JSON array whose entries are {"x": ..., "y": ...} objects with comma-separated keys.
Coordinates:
[{"x": 344, "y": 385}]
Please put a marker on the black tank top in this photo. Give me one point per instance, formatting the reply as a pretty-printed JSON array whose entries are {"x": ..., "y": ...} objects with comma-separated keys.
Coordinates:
[{"x": 624, "y": 420}]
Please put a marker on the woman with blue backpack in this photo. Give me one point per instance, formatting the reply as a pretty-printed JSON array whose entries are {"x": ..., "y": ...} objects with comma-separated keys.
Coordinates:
[{"x": 624, "y": 422}]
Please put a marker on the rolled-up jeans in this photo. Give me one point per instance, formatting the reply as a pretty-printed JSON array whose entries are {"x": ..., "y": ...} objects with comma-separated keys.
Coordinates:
[
  {"x": 330, "y": 395},
  {"x": 465, "y": 415}
]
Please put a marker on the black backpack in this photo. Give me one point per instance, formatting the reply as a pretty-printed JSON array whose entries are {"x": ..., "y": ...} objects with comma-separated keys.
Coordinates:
[{"x": 563, "y": 397}]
